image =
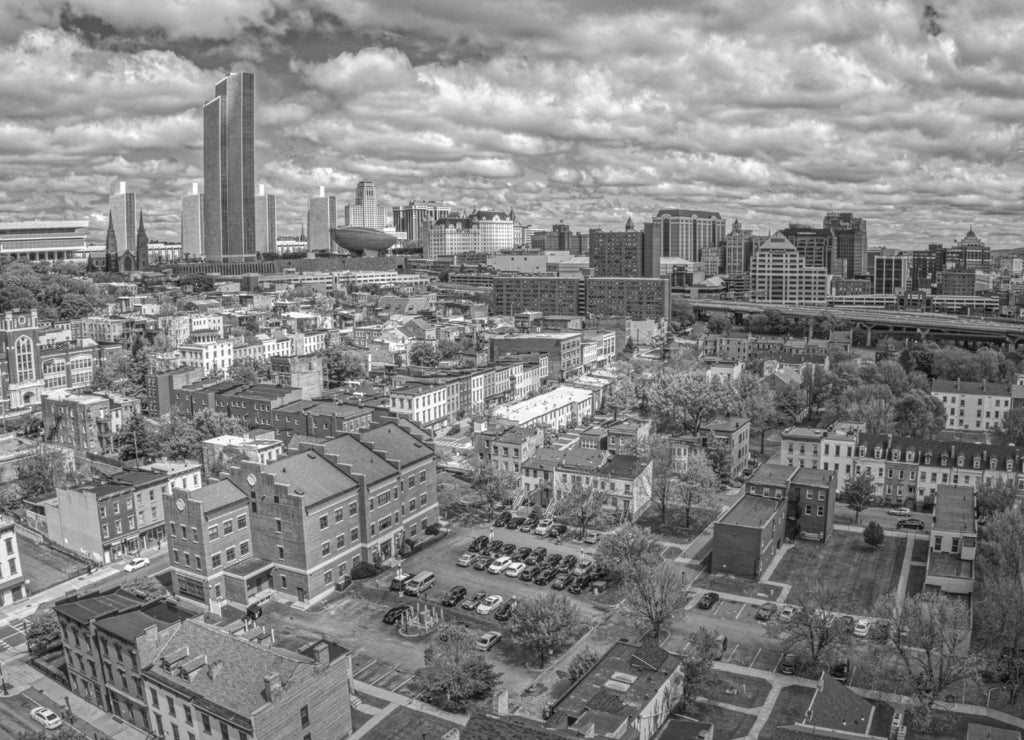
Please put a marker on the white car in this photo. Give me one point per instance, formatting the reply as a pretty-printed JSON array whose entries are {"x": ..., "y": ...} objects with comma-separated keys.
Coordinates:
[
  {"x": 500, "y": 564},
  {"x": 489, "y": 604},
  {"x": 487, "y": 640},
  {"x": 862, "y": 628},
  {"x": 786, "y": 613},
  {"x": 899, "y": 511},
  {"x": 46, "y": 718},
  {"x": 543, "y": 527},
  {"x": 135, "y": 564},
  {"x": 515, "y": 570}
]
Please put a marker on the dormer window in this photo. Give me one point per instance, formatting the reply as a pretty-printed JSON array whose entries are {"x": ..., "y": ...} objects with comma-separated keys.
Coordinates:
[
  {"x": 977, "y": 462},
  {"x": 878, "y": 453},
  {"x": 862, "y": 451},
  {"x": 896, "y": 455},
  {"x": 944, "y": 462},
  {"x": 960, "y": 461},
  {"x": 910, "y": 457},
  {"x": 993, "y": 464}
]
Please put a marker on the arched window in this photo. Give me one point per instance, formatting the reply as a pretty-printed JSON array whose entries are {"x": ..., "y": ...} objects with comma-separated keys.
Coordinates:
[{"x": 24, "y": 361}]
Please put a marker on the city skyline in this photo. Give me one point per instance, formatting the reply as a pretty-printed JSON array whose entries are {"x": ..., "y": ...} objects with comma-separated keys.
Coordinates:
[{"x": 904, "y": 114}]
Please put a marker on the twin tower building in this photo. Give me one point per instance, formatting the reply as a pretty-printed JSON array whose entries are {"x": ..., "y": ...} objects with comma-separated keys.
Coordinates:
[{"x": 229, "y": 221}]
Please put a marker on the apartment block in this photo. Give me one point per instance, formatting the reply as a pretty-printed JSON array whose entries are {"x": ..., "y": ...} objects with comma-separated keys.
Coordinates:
[
  {"x": 212, "y": 357},
  {"x": 563, "y": 349},
  {"x": 557, "y": 409},
  {"x": 12, "y": 577},
  {"x": 780, "y": 275},
  {"x": 87, "y": 422},
  {"x": 976, "y": 406}
]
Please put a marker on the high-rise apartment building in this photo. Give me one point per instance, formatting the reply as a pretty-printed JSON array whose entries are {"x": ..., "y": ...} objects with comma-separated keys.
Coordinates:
[
  {"x": 229, "y": 203},
  {"x": 816, "y": 246},
  {"x": 192, "y": 223},
  {"x": 416, "y": 218},
  {"x": 685, "y": 233},
  {"x": 483, "y": 232},
  {"x": 266, "y": 221},
  {"x": 626, "y": 253},
  {"x": 778, "y": 274},
  {"x": 365, "y": 212},
  {"x": 122, "y": 230},
  {"x": 739, "y": 245},
  {"x": 891, "y": 272},
  {"x": 321, "y": 217},
  {"x": 851, "y": 241}
]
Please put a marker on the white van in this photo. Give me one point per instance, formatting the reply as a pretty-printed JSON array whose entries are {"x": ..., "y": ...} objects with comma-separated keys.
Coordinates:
[{"x": 419, "y": 583}]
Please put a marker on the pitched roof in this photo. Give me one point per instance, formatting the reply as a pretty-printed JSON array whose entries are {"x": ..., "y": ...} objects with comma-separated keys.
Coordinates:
[
  {"x": 837, "y": 707},
  {"x": 311, "y": 475},
  {"x": 218, "y": 494},
  {"x": 481, "y": 727},
  {"x": 407, "y": 724},
  {"x": 363, "y": 460},
  {"x": 396, "y": 443}
]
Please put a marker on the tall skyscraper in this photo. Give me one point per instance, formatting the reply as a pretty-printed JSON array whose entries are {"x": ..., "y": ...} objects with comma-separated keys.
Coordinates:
[
  {"x": 851, "y": 242},
  {"x": 229, "y": 203},
  {"x": 192, "y": 223},
  {"x": 626, "y": 253},
  {"x": 684, "y": 233},
  {"x": 321, "y": 217},
  {"x": 416, "y": 218},
  {"x": 122, "y": 229},
  {"x": 816, "y": 246},
  {"x": 365, "y": 212},
  {"x": 266, "y": 221}
]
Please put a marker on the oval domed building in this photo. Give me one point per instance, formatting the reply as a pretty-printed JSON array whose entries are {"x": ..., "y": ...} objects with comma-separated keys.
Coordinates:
[{"x": 363, "y": 242}]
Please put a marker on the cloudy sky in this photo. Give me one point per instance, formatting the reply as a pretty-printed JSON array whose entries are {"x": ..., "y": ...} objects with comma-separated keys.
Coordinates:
[{"x": 586, "y": 111}]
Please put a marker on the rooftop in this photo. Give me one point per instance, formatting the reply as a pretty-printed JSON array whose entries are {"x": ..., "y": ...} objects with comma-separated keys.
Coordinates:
[
  {"x": 838, "y": 708},
  {"x": 219, "y": 494},
  {"x": 395, "y": 443},
  {"x": 771, "y": 474},
  {"x": 539, "y": 405},
  {"x": 90, "y": 606},
  {"x": 954, "y": 509},
  {"x": 311, "y": 476},
  {"x": 948, "y": 565},
  {"x": 814, "y": 477},
  {"x": 363, "y": 460},
  {"x": 752, "y": 511},
  {"x": 131, "y": 625}
]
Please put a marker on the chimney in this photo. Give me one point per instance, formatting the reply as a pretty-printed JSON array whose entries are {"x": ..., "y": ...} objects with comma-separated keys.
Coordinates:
[
  {"x": 214, "y": 669},
  {"x": 321, "y": 655},
  {"x": 272, "y": 687},
  {"x": 500, "y": 703},
  {"x": 452, "y": 734}
]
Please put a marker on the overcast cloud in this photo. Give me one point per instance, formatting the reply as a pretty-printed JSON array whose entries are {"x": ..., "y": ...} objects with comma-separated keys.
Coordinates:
[{"x": 587, "y": 111}]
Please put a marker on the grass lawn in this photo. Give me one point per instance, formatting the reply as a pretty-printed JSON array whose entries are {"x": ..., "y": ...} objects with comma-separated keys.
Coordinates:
[
  {"x": 738, "y": 586},
  {"x": 915, "y": 579},
  {"x": 45, "y": 566},
  {"x": 881, "y": 720},
  {"x": 920, "y": 551},
  {"x": 742, "y": 691},
  {"x": 846, "y": 562},
  {"x": 673, "y": 529},
  {"x": 729, "y": 725},
  {"x": 954, "y": 727},
  {"x": 789, "y": 708}
]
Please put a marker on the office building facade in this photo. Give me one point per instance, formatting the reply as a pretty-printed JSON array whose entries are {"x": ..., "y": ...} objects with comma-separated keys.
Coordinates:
[
  {"x": 626, "y": 253},
  {"x": 891, "y": 272},
  {"x": 321, "y": 217},
  {"x": 229, "y": 219},
  {"x": 779, "y": 275},
  {"x": 192, "y": 236},
  {"x": 416, "y": 218},
  {"x": 266, "y": 222},
  {"x": 483, "y": 232},
  {"x": 366, "y": 212},
  {"x": 122, "y": 230},
  {"x": 851, "y": 241},
  {"x": 685, "y": 233}
]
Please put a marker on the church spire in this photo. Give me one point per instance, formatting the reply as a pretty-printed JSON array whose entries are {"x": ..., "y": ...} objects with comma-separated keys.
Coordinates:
[
  {"x": 111, "y": 244},
  {"x": 629, "y": 224},
  {"x": 142, "y": 246}
]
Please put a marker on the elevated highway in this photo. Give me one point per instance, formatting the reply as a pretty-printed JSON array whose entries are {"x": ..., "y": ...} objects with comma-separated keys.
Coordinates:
[{"x": 925, "y": 325}]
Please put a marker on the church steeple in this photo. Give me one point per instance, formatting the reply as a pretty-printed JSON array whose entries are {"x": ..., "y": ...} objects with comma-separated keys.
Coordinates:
[
  {"x": 142, "y": 246},
  {"x": 111, "y": 244},
  {"x": 629, "y": 224}
]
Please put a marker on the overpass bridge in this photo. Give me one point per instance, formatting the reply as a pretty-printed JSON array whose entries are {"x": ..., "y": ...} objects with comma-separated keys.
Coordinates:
[{"x": 925, "y": 325}]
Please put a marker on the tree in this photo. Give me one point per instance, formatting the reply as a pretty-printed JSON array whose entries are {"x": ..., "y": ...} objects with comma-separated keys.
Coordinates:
[
  {"x": 209, "y": 423},
  {"x": 655, "y": 595},
  {"x": 791, "y": 404},
  {"x": 341, "y": 364},
  {"x": 817, "y": 385},
  {"x": 697, "y": 484},
  {"x": 698, "y": 661},
  {"x": 918, "y": 413},
  {"x": 41, "y": 472},
  {"x": 137, "y": 440},
  {"x": 994, "y": 496},
  {"x": 815, "y": 632},
  {"x": 872, "y": 404},
  {"x": 249, "y": 371},
  {"x": 492, "y": 488},
  {"x": 145, "y": 587},
  {"x": 179, "y": 439},
  {"x": 424, "y": 353},
  {"x": 447, "y": 349},
  {"x": 684, "y": 401},
  {"x": 629, "y": 550},
  {"x": 116, "y": 372},
  {"x": 454, "y": 671},
  {"x": 664, "y": 471},
  {"x": 581, "y": 663},
  {"x": 859, "y": 492},
  {"x": 719, "y": 323},
  {"x": 757, "y": 403},
  {"x": 580, "y": 505},
  {"x": 927, "y": 642},
  {"x": 874, "y": 535},
  {"x": 43, "y": 633},
  {"x": 1011, "y": 429},
  {"x": 544, "y": 624},
  {"x": 620, "y": 396},
  {"x": 999, "y": 599}
]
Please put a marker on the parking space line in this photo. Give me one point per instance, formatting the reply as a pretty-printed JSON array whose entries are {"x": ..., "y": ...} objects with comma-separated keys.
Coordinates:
[
  {"x": 371, "y": 663},
  {"x": 718, "y": 608},
  {"x": 777, "y": 664},
  {"x": 399, "y": 686},
  {"x": 734, "y": 649},
  {"x": 381, "y": 676},
  {"x": 742, "y": 607},
  {"x": 756, "y": 655}
]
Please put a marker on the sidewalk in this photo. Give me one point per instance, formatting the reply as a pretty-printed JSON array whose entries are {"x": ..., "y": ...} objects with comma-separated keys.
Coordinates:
[
  {"x": 27, "y": 607},
  {"x": 20, "y": 676}
]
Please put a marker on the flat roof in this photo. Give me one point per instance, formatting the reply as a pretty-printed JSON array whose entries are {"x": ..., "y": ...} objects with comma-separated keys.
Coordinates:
[
  {"x": 752, "y": 511},
  {"x": 954, "y": 509},
  {"x": 543, "y": 403}
]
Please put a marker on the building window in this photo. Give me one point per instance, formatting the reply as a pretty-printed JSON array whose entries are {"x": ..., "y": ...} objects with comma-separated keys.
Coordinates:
[
  {"x": 215, "y": 560},
  {"x": 325, "y": 548},
  {"x": 214, "y": 532},
  {"x": 229, "y": 527},
  {"x": 277, "y": 523},
  {"x": 229, "y": 554},
  {"x": 327, "y": 577},
  {"x": 355, "y": 534},
  {"x": 280, "y": 552},
  {"x": 304, "y": 716},
  {"x": 223, "y": 731},
  {"x": 170, "y": 706},
  {"x": 242, "y": 523},
  {"x": 339, "y": 514},
  {"x": 339, "y": 541},
  {"x": 808, "y": 509},
  {"x": 24, "y": 361},
  {"x": 937, "y": 544},
  {"x": 243, "y": 548}
]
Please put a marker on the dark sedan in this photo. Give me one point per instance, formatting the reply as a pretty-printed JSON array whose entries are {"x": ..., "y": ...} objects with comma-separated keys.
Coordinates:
[
  {"x": 502, "y": 519},
  {"x": 578, "y": 584},
  {"x": 515, "y": 522},
  {"x": 494, "y": 547},
  {"x": 529, "y": 572},
  {"x": 479, "y": 544},
  {"x": 471, "y": 603},
  {"x": 544, "y": 577},
  {"x": 909, "y": 524},
  {"x": 537, "y": 556},
  {"x": 522, "y": 553},
  {"x": 454, "y": 596},
  {"x": 561, "y": 581},
  {"x": 708, "y": 600},
  {"x": 504, "y": 612},
  {"x": 509, "y": 549},
  {"x": 529, "y": 524},
  {"x": 552, "y": 560},
  {"x": 557, "y": 530},
  {"x": 566, "y": 564},
  {"x": 396, "y": 613},
  {"x": 483, "y": 562}
]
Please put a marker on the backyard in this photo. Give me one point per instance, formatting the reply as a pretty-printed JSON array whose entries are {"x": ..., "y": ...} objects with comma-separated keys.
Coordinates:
[
  {"x": 673, "y": 529},
  {"x": 848, "y": 564},
  {"x": 46, "y": 567}
]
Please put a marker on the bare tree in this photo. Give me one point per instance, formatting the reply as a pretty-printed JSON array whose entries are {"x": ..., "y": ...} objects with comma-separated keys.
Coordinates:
[
  {"x": 654, "y": 595},
  {"x": 697, "y": 484},
  {"x": 628, "y": 553},
  {"x": 815, "y": 631},
  {"x": 581, "y": 505}
]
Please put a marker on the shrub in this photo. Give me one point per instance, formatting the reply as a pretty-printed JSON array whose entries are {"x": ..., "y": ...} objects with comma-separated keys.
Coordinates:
[
  {"x": 581, "y": 663},
  {"x": 363, "y": 570},
  {"x": 432, "y": 529}
]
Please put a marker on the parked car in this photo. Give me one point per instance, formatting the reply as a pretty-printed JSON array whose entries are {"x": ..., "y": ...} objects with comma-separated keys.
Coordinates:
[
  {"x": 502, "y": 519},
  {"x": 398, "y": 582},
  {"x": 552, "y": 560},
  {"x": 482, "y": 562},
  {"x": 465, "y": 559},
  {"x": 395, "y": 613},
  {"x": 489, "y": 604},
  {"x": 454, "y": 596},
  {"x": 515, "y": 522},
  {"x": 479, "y": 544},
  {"x": 515, "y": 570},
  {"x": 254, "y": 612},
  {"x": 787, "y": 612},
  {"x": 135, "y": 564},
  {"x": 841, "y": 670},
  {"x": 504, "y": 612},
  {"x": 499, "y": 565},
  {"x": 578, "y": 584},
  {"x": 708, "y": 600},
  {"x": 909, "y": 524},
  {"x": 529, "y": 524},
  {"x": 487, "y": 640},
  {"x": 591, "y": 538},
  {"x": 522, "y": 553},
  {"x": 788, "y": 663},
  {"x": 509, "y": 549},
  {"x": 494, "y": 547},
  {"x": 560, "y": 581},
  {"x": 566, "y": 564},
  {"x": 472, "y": 602},
  {"x": 765, "y": 611},
  {"x": 862, "y": 628},
  {"x": 583, "y": 568},
  {"x": 557, "y": 530},
  {"x": 898, "y": 511},
  {"x": 47, "y": 718},
  {"x": 543, "y": 527},
  {"x": 543, "y": 578},
  {"x": 537, "y": 556}
]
